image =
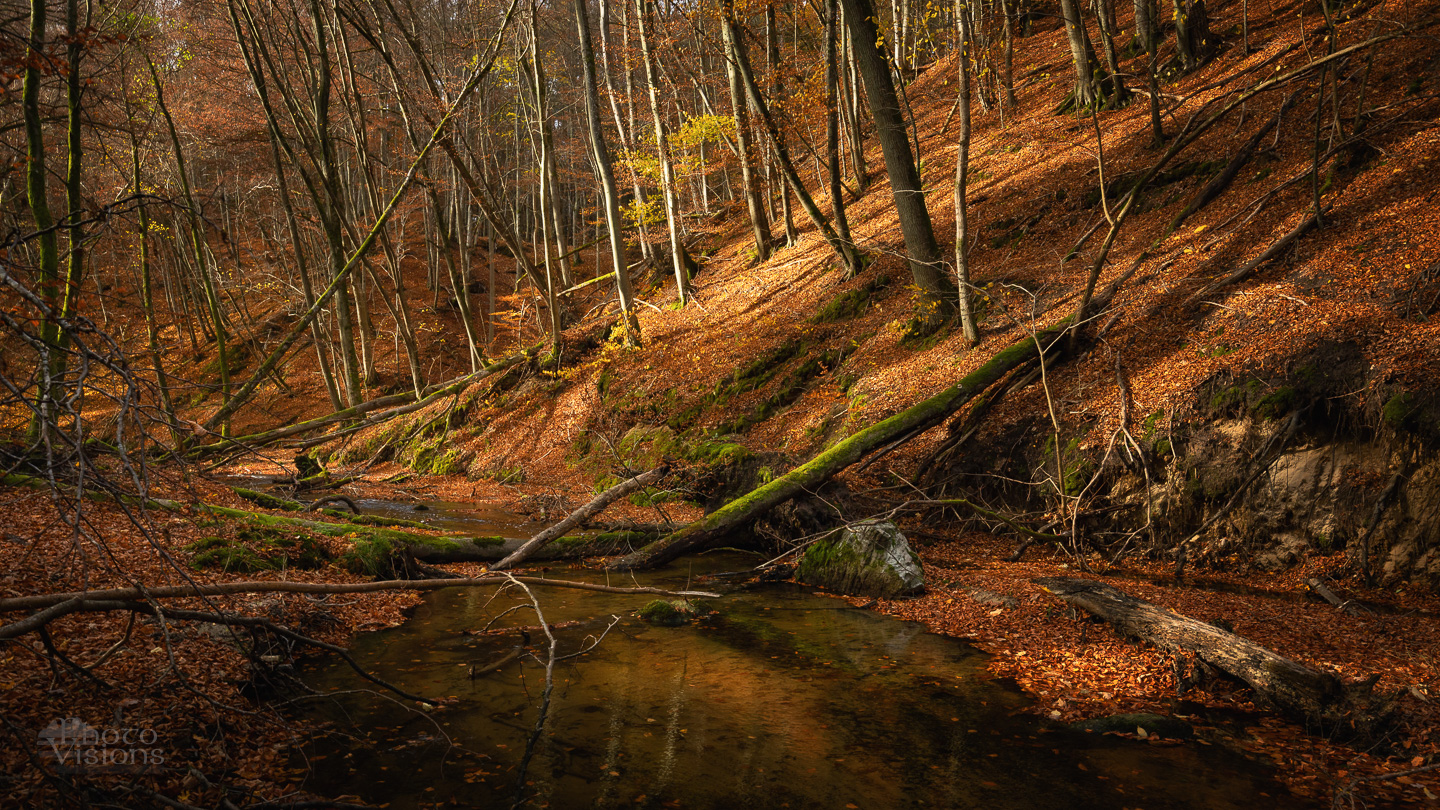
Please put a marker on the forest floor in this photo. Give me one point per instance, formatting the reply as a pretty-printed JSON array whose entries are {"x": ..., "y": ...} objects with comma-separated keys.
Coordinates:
[{"x": 1371, "y": 280}]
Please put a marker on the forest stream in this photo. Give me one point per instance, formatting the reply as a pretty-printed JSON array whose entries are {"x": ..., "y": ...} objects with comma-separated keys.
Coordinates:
[{"x": 773, "y": 697}]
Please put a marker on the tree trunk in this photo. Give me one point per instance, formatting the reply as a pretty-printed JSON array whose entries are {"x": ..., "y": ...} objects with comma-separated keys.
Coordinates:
[
  {"x": 610, "y": 194},
  {"x": 662, "y": 147},
  {"x": 739, "y": 513},
  {"x": 832, "y": 129},
  {"x": 1082, "y": 56},
  {"x": 962, "y": 172},
  {"x": 745, "y": 153},
  {"x": 580, "y": 516},
  {"x": 1192, "y": 33},
  {"x": 849, "y": 257},
  {"x": 1304, "y": 694},
  {"x": 909, "y": 194}
]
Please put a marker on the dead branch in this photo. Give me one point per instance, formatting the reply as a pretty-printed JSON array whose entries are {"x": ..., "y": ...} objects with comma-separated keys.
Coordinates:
[
  {"x": 1271, "y": 252},
  {"x": 53, "y": 606},
  {"x": 579, "y": 516}
]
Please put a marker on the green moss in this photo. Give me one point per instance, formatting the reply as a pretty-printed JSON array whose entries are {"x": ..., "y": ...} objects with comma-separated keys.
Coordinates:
[
  {"x": 373, "y": 557},
  {"x": 265, "y": 501},
  {"x": 831, "y": 563},
  {"x": 716, "y": 452},
  {"x": 1277, "y": 403},
  {"x": 258, "y": 548},
  {"x": 667, "y": 613},
  {"x": 450, "y": 462},
  {"x": 1399, "y": 411},
  {"x": 226, "y": 555},
  {"x": 650, "y": 496},
  {"x": 851, "y": 303},
  {"x": 379, "y": 520}
]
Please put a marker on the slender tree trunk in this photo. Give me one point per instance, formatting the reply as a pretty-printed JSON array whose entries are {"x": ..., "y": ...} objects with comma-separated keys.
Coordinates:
[
  {"x": 832, "y": 131},
  {"x": 609, "y": 192},
  {"x": 909, "y": 195},
  {"x": 147, "y": 297},
  {"x": 777, "y": 91},
  {"x": 745, "y": 152},
  {"x": 662, "y": 147},
  {"x": 852, "y": 106},
  {"x": 730, "y": 29},
  {"x": 1008, "y": 76},
  {"x": 1105, "y": 15},
  {"x": 197, "y": 243},
  {"x": 962, "y": 171}
]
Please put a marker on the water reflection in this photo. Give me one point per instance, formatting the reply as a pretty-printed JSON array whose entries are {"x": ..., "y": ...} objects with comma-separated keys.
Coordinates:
[{"x": 780, "y": 699}]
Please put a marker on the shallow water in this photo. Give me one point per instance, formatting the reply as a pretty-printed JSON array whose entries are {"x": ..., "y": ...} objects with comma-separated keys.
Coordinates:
[{"x": 781, "y": 698}]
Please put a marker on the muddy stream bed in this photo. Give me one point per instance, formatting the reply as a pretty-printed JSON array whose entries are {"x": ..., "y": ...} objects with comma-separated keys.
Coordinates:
[{"x": 778, "y": 697}]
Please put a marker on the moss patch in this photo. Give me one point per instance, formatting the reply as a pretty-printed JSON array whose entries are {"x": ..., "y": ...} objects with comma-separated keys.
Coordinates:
[
  {"x": 667, "y": 613},
  {"x": 259, "y": 548},
  {"x": 851, "y": 303},
  {"x": 265, "y": 501}
]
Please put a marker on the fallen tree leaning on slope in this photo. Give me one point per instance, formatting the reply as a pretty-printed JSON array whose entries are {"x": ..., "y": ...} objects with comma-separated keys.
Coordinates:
[
  {"x": 1318, "y": 699},
  {"x": 399, "y": 405},
  {"x": 810, "y": 475}
]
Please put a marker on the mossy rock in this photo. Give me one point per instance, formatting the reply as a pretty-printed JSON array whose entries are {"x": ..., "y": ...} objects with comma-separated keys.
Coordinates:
[
  {"x": 870, "y": 558},
  {"x": 668, "y": 612},
  {"x": 1153, "y": 724}
]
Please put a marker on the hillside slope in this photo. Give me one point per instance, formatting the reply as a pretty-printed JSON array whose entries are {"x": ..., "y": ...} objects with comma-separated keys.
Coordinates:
[{"x": 1342, "y": 327}]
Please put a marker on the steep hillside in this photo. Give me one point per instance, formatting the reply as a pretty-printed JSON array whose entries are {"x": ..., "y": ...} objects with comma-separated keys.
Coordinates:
[{"x": 1196, "y": 372}]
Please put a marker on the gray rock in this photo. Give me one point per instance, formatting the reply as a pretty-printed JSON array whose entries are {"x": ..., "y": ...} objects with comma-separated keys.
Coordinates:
[{"x": 869, "y": 558}]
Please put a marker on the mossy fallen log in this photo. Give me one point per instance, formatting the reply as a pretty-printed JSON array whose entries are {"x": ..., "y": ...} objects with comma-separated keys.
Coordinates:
[
  {"x": 1318, "y": 699},
  {"x": 377, "y": 538},
  {"x": 807, "y": 477}
]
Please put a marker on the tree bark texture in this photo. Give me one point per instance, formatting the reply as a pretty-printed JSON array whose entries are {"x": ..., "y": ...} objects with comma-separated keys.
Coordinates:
[
  {"x": 1300, "y": 692},
  {"x": 905, "y": 182}
]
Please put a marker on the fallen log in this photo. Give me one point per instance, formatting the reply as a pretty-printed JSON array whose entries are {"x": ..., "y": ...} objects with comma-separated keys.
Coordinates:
[
  {"x": 77, "y": 599},
  {"x": 907, "y": 424},
  {"x": 1318, "y": 699},
  {"x": 579, "y": 516},
  {"x": 912, "y": 421},
  {"x": 399, "y": 405},
  {"x": 1321, "y": 590}
]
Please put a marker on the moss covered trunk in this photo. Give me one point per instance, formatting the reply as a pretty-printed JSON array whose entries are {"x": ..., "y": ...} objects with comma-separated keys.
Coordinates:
[{"x": 740, "y": 512}]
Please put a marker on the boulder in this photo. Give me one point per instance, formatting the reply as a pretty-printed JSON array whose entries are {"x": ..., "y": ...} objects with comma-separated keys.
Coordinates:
[{"x": 869, "y": 558}]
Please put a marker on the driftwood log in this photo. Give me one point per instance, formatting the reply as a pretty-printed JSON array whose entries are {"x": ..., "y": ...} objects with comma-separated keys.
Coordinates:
[{"x": 1317, "y": 699}]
